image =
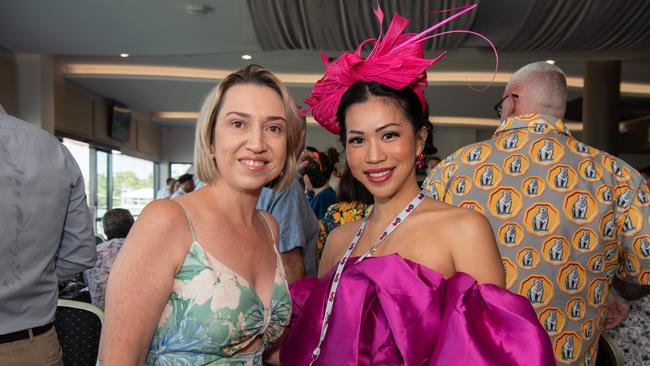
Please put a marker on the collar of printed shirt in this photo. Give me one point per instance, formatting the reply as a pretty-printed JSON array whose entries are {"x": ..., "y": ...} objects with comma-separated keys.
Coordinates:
[{"x": 529, "y": 121}]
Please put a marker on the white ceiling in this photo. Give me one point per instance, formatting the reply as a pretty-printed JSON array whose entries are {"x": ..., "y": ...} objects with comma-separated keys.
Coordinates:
[{"x": 160, "y": 32}]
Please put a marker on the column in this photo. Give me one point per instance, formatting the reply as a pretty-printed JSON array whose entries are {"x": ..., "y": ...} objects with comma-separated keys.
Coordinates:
[
  {"x": 601, "y": 105},
  {"x": 35, "y": 79}
]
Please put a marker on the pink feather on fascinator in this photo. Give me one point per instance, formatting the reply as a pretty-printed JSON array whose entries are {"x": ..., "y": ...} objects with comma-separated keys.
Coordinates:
[
  {"x": 397, "y": 60},
  {"x": 302, "y": 112}
]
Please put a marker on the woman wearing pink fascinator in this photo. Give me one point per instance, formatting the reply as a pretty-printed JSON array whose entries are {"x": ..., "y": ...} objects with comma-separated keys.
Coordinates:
[{"x": 416, "y": 282}]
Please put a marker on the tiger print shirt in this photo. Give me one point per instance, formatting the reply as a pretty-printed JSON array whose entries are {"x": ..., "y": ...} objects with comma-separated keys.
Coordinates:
[{"x": 567, "y": 218}]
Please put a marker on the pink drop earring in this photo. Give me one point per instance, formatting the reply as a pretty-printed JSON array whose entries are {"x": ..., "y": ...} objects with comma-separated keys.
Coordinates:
[{"x": 419, "y": 162}]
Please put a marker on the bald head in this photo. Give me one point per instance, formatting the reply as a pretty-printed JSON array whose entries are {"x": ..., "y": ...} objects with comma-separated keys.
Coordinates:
[{"x": 540, "y": 87}]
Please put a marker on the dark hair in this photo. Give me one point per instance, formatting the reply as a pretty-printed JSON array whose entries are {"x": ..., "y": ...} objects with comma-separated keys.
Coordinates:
[
  {"x": 333, "y": 155},
  {"x": 185, "y": 178},
  {"x": 429, "y": 148},
  {"x": 326, "y": 165},
  {"x": 169, "y": 181},
  {"x": 433, "y": 158},
  {"x": 117, "y": 223},
  {"x": 645, "y": 171},
  {"x": 405, "y": 99},
  {"x": 351, "y": 190}
]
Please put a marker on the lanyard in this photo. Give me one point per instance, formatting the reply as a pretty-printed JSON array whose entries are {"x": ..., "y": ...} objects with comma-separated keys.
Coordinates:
[{"x": 415, "y": 202}]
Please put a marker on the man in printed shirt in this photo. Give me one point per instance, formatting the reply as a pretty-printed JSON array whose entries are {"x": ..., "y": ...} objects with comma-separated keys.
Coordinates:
[{"x": 567, "y": 217}]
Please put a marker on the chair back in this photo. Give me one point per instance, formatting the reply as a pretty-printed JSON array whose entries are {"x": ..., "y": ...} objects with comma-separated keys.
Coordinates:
[
  {"x": 78, "y": 326},
  {"x": 609, "y": 354}
]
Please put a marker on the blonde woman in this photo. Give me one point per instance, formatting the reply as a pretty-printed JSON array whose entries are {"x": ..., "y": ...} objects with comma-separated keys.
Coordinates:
[{"x": 199, "y": 280}]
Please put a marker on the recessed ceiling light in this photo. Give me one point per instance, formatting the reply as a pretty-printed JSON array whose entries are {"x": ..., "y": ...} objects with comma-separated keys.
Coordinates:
[
  {"x": 124, "y": 55},
  {"x": 197, "y": 9},
  {"x": 246, "y": 57},
  {"x": 552, "y": 62}
]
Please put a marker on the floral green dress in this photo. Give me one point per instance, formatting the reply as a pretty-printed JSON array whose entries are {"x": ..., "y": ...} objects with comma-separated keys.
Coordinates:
[{"x": 213, "y": 314}]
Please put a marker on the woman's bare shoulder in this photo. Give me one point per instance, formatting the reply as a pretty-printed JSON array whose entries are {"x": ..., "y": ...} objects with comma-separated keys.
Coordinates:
[
  {"x": 337, "y": 242},
  {"x": 161, "y": 223},
  {"x": 451, "y": 224}
]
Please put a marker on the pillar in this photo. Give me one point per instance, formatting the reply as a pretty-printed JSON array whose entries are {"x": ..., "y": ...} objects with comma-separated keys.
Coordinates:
[
  {"x": 601, "y": 105},
  {"x": 35, "y": 79}
]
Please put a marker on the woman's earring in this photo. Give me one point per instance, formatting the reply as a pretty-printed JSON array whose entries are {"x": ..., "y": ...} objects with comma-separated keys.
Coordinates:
[{"x": 419, "y": 162}]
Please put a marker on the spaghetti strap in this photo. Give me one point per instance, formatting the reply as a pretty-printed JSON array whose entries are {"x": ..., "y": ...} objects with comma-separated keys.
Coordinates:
[
  {"x": 187, "y": 217},
  {"x": 268, "y": 225}
]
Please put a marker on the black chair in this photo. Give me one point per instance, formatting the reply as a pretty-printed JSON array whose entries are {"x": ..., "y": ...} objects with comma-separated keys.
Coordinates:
[
  {"x": 78, "y": 326},
  {"x": 609, "y": 354}
]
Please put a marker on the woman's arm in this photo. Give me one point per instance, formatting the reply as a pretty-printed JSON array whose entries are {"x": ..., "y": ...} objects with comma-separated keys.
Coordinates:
[
  {"x": 475, "y": 251},
  {"x": 140, "y": 283}
]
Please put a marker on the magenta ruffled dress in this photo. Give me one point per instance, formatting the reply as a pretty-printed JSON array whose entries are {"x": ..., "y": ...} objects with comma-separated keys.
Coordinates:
[{"x": 392, "y": 311}]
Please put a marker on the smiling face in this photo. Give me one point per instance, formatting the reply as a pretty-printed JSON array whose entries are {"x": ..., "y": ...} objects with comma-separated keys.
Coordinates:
[
  {"x": 381, "y": 146},
  {"x": 250, "y": 137}
]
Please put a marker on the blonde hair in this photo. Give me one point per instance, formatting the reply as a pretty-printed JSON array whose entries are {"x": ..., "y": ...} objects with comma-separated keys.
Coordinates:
[
  {"x": 545, "y": 86},
  {"x": 206, "y": 167}
]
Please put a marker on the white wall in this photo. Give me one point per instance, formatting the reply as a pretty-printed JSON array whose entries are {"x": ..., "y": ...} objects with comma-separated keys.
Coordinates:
[
  {"x": 177, "y": 147},
  {"x": 449, "y": 139},
  {"x": 320, "y": 138}
]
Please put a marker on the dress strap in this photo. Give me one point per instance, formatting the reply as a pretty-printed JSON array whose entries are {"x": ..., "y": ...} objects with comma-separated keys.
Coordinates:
[
  {"x": 415, "y": 202},
  {"x": 187, "y": 217},
  {"x": 268, "y": 226}
]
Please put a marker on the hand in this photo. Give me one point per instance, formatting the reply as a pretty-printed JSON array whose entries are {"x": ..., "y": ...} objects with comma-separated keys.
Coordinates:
[
  {"x": 308, "y": 187},
  {"x": 303, "y": 160},
  {"x": 616, "y": 312}
]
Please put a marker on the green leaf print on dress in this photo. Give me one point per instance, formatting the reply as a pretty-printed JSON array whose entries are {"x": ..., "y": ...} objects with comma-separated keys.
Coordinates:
[{"x": 212, "y": 315}]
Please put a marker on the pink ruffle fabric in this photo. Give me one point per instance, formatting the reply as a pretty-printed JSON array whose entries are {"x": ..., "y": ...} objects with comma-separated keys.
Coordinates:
[
  {"x": 392, "y": 311},
  {"x": 396, "y": 60}
]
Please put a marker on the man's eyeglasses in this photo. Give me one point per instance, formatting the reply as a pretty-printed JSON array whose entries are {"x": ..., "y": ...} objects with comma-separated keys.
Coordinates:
[{"x": 499, "y": 106}]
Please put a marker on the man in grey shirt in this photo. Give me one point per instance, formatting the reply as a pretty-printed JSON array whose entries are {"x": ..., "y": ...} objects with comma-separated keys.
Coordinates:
[{"x": 45, "y": 236}]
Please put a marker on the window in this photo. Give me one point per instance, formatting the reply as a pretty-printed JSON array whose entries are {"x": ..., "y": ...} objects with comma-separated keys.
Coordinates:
[
  {"x": 114, "y": 180},
  {"x": 103, "y": 188},
  {"x": 178, "y": 169},
  {"x": 133, "y": 185},
  {"x": 81, "y": 153}
]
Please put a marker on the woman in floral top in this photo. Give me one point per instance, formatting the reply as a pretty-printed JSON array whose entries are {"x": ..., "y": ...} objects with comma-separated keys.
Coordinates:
[{"x": 199, "y": 280}]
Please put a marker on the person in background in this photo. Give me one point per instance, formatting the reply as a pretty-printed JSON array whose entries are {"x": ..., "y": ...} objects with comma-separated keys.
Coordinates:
[
  {"x": 211, "y": 291},
  {"x": 568, "y": 217},
  {"x": 46, "y": 236},
  {"x": 337, "y": 167},
  {"x": 117, "y": 223},
  {"x": 298, "y": 223},
  {"x": 423, "y": 164},
  {"x": 166, "y": 191},
  {"x": 628, "y": 321},
  {"x": 175, "y": 186},
  {"x": 186, "y": 185},
  {"x": 353, "y": 202},
  {"x": 318, "y": 176},
  {"x": 432, "y": 162}
]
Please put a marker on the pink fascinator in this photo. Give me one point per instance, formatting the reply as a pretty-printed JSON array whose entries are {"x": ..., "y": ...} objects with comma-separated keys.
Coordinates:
[
  {"x": 302, "y": 112},
  {"x": 396, "y": 60}
]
